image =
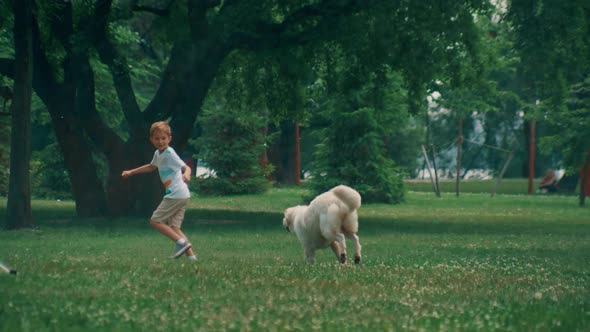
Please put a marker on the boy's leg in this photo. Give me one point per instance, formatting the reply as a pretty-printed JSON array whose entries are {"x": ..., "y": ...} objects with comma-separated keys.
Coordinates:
[
  {"x": 171, "y": 210},
  {"x": 166, "y": 230},
  {"x": 182, "y": 245},
  {"x": 165, "y": 210},
  {"x": 175, "y": 222},
  {"x": 177, "y": 230}
]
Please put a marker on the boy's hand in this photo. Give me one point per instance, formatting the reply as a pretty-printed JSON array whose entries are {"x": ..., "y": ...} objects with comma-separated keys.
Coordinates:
[
  {"x": 186, "y": 178},
  {"x": 126, "y": 174}
]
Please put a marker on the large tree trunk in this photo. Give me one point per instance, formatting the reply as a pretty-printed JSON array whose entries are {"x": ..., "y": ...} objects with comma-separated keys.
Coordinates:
[
  {"x": 282, "y": 154},
  {"x": 87, "y": 188},
  {"x": 19, "y": 192},
  {"x": 59, "y": 96},
  {"x": 527, "y": 138},
  {"x": 584, "y": 180},
  {"x": 138, "y": 195}
]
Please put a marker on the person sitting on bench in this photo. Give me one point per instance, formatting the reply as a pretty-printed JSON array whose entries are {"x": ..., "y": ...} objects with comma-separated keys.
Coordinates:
[{"x": 549, "y": 182}]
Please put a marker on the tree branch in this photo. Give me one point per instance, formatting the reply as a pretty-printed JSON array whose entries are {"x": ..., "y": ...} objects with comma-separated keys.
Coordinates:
[
  {"x": 119, "y": 69},
  {"x": 45, "y": 84},
  {"x": 78, "y": 75},
  {"x": 93, "y": 124},
  {"x": 172, "y": 79},
  {"x": 61, "y": 23},
  {"x": 291, "y": 30},
  {"x": 153, "y": 10},
  {"x": 210, "y": 3},
  {"x": 184, "y": 85}
]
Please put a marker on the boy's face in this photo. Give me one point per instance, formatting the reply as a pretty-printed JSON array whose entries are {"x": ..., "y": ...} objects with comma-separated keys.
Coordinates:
[{"x": 160, "y": 140}]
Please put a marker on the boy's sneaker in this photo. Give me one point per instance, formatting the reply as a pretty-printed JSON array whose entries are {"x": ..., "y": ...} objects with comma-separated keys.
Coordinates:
[{"x": 181, "y": 248}]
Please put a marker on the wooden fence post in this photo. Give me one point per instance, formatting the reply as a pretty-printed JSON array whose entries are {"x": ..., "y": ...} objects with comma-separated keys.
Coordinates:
[
  {"x": 297, "y": 156},
  {"x": 504, "y": 169},
  {"x": 459, "y": 152},
  {"x": 428, "y": 165},
  {"x": 437, "y": 187},
  {"x": 531, "y": 156}
]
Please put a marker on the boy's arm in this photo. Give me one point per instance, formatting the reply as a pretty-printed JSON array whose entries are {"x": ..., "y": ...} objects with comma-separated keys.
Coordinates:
[
  {"x": 142, "y": 169},
  {"x": 186, "y": 173}
]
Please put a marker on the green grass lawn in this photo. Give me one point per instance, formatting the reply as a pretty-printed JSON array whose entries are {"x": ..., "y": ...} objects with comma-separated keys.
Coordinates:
[
  {"x": 508, "y": 263},
  {"x": 506, "y": 186}
]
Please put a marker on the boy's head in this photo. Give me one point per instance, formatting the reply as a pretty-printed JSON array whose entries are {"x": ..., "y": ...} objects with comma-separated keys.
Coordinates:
[
  {"x": 162, "y": 127},
  {"x": 160, "y": 135}
]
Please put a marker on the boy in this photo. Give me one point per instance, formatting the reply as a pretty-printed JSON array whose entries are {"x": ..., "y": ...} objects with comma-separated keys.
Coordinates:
[{"x": 175, "y": 174}]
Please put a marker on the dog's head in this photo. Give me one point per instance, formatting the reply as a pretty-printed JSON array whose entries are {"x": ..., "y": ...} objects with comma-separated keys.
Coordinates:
[{"x": 289, "y": 218}]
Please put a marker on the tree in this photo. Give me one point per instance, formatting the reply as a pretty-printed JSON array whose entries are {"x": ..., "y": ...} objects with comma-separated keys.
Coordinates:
[
  {"x": 553, "y": 51},
  {"x": 573, "y": 134},
  {"x": 234, "y": 133},
  {"x": 19, "y": 191},
  {"x": 5, "y": 120},
  {"x": 285, "y": 85},
  {"x": 264, "y": 85},
  {"x": 358, "y": 159},
  {"x": 477, "y": 98},
  {"x": 194, "y": 37},
  {"x": 363, "y": 104}
]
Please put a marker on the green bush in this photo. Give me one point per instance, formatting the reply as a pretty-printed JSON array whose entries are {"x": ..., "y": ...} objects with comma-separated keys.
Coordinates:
[
  {"x": 231, "y": 144},
  {"x": 352, "y": 153},
  {"x": 49, "y": 178},
  {"x": 3, "y": 181}
]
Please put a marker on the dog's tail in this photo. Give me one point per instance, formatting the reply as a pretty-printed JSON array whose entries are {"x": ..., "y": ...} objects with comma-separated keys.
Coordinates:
[{"x": 349, "y": 196}]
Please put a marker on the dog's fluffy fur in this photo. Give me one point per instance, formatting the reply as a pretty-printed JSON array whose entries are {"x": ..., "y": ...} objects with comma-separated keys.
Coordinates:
[{"x": 326, "y": 221}]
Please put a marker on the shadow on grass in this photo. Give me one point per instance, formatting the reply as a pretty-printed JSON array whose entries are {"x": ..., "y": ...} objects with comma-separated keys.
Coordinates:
[
  {"x": 380, "y": 225},
  {"x": 247, "y": 221},
  {"x": 269, "y": 221}
]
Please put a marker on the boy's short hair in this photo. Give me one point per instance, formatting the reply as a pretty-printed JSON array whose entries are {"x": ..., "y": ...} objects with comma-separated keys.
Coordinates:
[{"x": 161, "y": 126}]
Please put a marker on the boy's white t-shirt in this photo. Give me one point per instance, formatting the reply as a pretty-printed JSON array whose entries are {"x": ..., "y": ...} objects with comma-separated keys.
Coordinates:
[{"x": 170, "y": 166}]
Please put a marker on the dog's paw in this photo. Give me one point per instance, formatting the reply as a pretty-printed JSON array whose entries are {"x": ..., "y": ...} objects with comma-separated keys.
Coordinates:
[
  {"x": 343, "y": 258},
  {"x": 357, "y": 259}
]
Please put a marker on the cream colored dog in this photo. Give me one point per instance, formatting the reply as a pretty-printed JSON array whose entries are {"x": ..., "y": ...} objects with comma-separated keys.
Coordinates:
[{"x": 326, "y": 221}]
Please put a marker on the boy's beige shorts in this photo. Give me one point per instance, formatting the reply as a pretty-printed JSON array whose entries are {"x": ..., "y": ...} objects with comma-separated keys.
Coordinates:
[{"x": 170, "y": 211}]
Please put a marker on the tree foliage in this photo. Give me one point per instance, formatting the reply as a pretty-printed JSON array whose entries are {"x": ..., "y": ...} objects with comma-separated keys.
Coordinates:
[
  {"x": 554, "y": 60},
  {"x": 232, "y": 144},
  {"x": 164, "y": 57},
  {"x": 359, "y": 108},
  {"x": 352, "y": 153},
  {"x": 234, "y": 140},
  {"x": 552, "y": 39},
  {"x": 572, "y": 136}
]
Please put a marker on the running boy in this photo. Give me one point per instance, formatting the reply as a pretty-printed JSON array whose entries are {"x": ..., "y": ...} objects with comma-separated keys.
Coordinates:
[{"x": 175, "y": 174}]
